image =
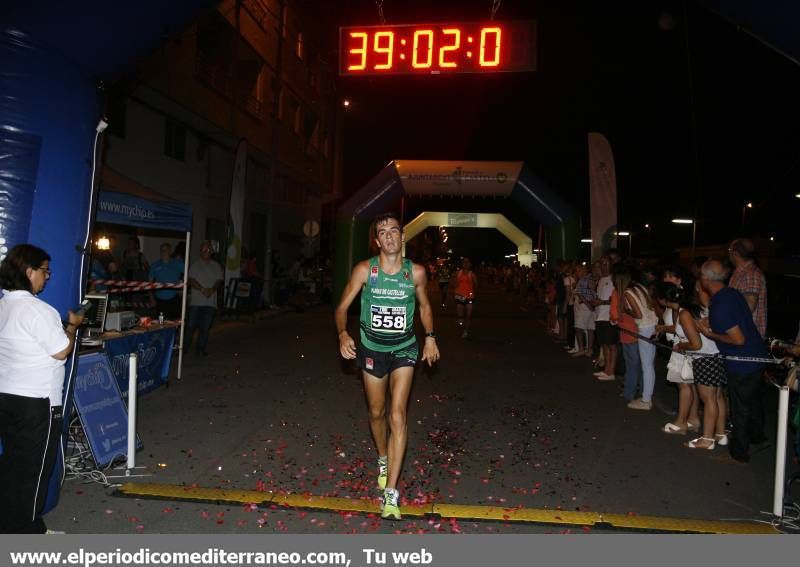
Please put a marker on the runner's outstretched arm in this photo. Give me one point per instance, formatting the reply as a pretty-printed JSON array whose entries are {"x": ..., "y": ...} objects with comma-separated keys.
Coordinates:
[
  {"x": 430, "y": 351},
  {"x": 347, "y": 346}
]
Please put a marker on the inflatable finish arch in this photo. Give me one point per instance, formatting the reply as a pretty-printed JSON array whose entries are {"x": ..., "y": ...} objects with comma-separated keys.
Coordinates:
[
  {"x": 510, "y": 179},
  {"x": 474, "y": 220},
  {"x": 54, "y": 56}
]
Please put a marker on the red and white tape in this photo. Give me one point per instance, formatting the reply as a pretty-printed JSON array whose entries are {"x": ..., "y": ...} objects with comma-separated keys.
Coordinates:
[{"x": 124, "y": 286}]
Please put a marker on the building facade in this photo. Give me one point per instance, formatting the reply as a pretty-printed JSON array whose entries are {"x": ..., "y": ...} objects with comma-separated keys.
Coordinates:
[{"x": 247, "y": 69}]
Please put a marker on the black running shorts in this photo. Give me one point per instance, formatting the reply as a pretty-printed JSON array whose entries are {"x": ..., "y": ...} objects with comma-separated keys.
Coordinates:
[{"x": 381, "y": 364}]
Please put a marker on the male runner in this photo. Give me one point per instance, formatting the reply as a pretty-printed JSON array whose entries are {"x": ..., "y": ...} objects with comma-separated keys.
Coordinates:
[
  {"x": 444, "y": 283},
  {"x": 464, "y": 294},
  {"x": 388, "y": 349}
]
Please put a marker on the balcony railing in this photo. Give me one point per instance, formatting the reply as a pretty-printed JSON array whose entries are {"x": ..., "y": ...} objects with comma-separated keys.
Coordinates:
[
  {"x": 220, "y": 79},
  {"x": 257, "y": 108},
  {"x": 215, "y": 76},
  {"x": 258, "y": 12}
]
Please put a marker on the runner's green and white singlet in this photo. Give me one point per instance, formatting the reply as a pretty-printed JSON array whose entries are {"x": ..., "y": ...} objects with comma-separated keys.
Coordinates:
[{"x": 387, "y": 308}]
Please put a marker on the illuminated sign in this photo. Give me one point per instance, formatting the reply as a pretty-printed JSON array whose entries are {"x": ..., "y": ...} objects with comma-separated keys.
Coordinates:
[
  {"x": 462, "y": 219},
  {"x": 437, "y": 48}
]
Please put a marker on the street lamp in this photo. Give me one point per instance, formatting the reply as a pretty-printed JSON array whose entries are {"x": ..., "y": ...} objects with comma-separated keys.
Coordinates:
[
  {"x": 103, "y": 243},
  {"x": 694, "y": 227},
  {"x": 589, "y": 242},
  {"x": 630, "y": 241}
]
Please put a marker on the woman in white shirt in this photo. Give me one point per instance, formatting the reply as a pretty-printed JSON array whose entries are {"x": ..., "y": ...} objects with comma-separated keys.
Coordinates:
[
  {"x": 679, "y": 370},
  {"x": 710, "y": 378},
  {"x": 33, "y": 348}
]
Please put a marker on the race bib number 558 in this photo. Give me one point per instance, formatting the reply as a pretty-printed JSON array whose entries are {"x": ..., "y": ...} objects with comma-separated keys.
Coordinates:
[{"x": 388, "y": 319}]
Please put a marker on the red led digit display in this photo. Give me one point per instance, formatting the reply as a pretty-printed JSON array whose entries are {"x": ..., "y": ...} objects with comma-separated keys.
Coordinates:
[{"x": 432, "y": 49}]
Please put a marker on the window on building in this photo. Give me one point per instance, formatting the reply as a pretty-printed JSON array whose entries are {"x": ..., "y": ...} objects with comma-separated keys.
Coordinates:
[
  {"x": 215, "y": 232},
  {"x": 311, "y": 131},
  {"x": 230, "y": 65},
  {"x": 250, "y": 72},
  {"x": 281, "y": 188},
  {"x": 298, "y": 194},
  {"x": 297, "y": 115},
  {"x": 216, "y": 41},
  {"x": 174, "y": 139},
  {"x": 116, "y": 110},
  {"x": 300, "y": 49},
  {"x": 257, "y": 179},
  {"x": 257, "y": 11}
]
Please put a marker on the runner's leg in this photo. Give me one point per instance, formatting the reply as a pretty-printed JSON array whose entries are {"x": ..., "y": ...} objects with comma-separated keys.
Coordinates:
[
  {"x": 469, "y": 318},
  {"x": 375, "y": 389},
  {"x": 400, "y": 383}
]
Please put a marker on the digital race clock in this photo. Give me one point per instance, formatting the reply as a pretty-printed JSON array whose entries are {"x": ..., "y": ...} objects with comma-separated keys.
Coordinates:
[{"x": 437, "y": 48}]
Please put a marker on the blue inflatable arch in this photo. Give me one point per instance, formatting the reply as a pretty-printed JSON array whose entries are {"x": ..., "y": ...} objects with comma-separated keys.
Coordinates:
[
  {"x": 55, "y": 57},
  {"x": 509, "y": 179}
]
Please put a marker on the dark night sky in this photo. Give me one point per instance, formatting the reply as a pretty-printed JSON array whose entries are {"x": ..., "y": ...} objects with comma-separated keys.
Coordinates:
[{"x": 610, "y": 67}]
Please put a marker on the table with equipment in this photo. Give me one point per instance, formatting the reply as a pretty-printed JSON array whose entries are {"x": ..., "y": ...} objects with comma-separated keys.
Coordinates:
[{"x": 153, "y": 346}]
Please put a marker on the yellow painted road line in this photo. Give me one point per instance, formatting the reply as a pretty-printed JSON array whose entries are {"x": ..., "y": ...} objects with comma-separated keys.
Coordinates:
[
  {"x": 458, "y": 511},
  {"x": 194, "y": 494},
  {"x": 367, "y": 506},
  {"x": 656, "y": 523},
  {"x": 530, "y": 515},
  {"x": 327, "y": 503}
]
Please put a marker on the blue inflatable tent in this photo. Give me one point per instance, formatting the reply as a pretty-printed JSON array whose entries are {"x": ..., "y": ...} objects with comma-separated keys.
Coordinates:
[{"x": 55, "y": 58}]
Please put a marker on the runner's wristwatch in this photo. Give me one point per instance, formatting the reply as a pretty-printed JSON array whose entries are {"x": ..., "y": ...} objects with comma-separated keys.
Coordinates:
[{"x": 430, "y": 334}]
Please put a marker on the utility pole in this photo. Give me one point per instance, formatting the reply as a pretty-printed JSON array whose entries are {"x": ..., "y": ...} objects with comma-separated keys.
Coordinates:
[
  {"x": 277, "y": 88},
  {"x": 693, "y": 125}
]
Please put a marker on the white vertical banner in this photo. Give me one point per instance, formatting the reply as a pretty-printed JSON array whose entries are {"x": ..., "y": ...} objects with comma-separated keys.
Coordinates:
[
  {"x": 602, "y": 194},
  {"x": 233, "y": 259}
]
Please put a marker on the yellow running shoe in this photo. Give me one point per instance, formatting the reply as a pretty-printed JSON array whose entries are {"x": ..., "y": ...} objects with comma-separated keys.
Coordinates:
[
  {"x": 383, "y": 471},
  {"x": 391, "y": 508}
]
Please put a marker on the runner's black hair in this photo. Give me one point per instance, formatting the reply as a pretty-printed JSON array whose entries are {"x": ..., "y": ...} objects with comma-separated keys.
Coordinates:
[{"x": 383, "y": 217}]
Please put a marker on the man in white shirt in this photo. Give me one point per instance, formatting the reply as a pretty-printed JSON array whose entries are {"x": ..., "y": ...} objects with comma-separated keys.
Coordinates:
[
  {"x": 205, "y": 278},
  {"x": 607, "y": 334},
  {"x": 569, "y": 302}
]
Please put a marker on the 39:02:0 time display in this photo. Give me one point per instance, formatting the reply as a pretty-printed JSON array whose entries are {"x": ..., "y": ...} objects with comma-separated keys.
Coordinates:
[{"x": 437, "y": 48}]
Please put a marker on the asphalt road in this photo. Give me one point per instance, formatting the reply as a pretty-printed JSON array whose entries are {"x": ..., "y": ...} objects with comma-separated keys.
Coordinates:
[{"x": 506, "y": 418}]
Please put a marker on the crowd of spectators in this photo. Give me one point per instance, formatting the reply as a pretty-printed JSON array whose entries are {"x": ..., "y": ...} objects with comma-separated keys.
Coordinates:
[
  {"x": 303, "y": 282},
  {"x": 708, "y": 323},
  {"x": 700, "y": 319}
]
